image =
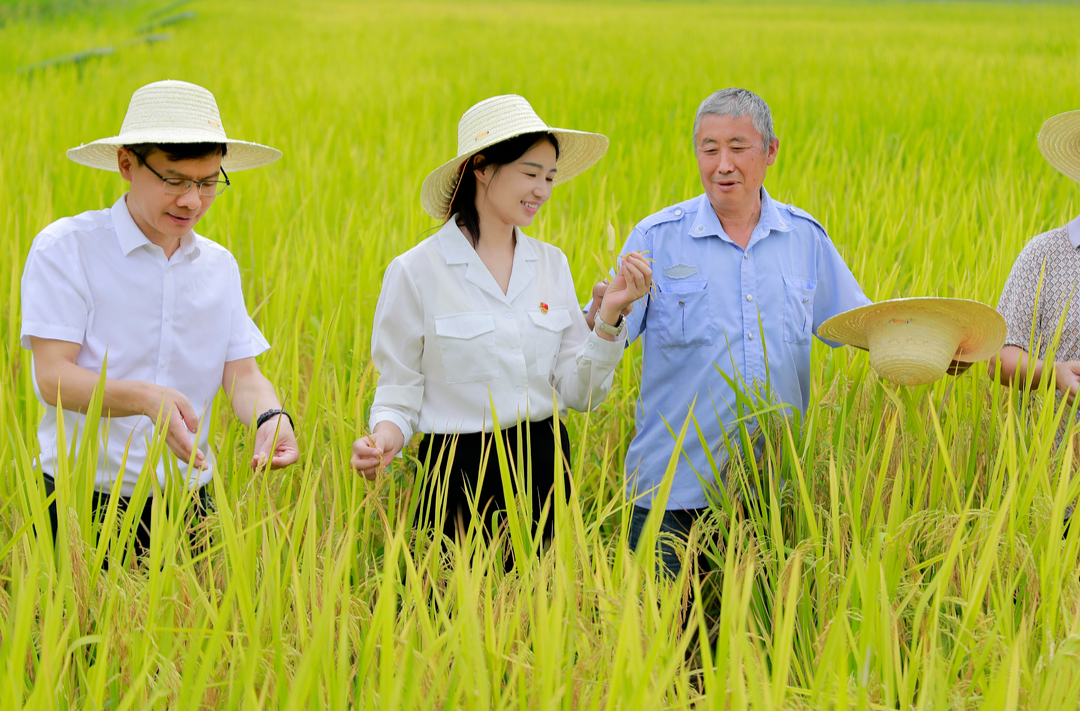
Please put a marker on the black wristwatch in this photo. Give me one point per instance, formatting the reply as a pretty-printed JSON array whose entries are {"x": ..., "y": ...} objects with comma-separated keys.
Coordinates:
[{"x": 261, "y": 420}]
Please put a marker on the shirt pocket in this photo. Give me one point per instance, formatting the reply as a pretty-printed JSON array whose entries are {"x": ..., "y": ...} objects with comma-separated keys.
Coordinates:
[
  {"x": 683, "y": 314},
  {"x": 467, "y": 346},
  {"x": 548, "y": 333},
  {"x": 798, "y": 309}
]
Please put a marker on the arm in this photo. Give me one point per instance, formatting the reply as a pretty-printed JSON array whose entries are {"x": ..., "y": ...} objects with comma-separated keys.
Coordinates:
[
  {"x": 60, "y": 378},
  {"x": 397, "y": 350},
  {"x": 251, "y": 394},
  {"x": 1019, "y": 369},
  {"x": 587, "y": 359}
]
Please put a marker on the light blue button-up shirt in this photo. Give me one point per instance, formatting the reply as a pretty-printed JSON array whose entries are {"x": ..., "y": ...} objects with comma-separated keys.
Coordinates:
[{"x": 703, "y": 318}]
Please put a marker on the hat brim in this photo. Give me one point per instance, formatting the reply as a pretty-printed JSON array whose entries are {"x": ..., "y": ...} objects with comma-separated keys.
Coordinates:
[
  {"x": 982, "y": 328},
  {"x": 578, "y": 151},
  {"x": 1059, "y": 142},
  {"x": 241, "y": 155}
]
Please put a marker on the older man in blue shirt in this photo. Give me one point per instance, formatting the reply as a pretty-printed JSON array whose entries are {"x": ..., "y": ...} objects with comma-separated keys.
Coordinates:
[{"x": 742, "y": 283}]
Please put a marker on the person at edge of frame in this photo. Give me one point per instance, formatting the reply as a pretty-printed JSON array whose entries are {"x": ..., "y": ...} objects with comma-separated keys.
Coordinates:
[
  {"x": 1040, "y": 287},
  {"x": 481, "y": 313},
  {"x": 134, "y": 286},
  {"x": 723, "y": 261}
]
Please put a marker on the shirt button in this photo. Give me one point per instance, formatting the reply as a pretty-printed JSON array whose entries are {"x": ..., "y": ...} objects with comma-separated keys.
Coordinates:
[
  {"x": 519, "y": 391},
  {"x": 162, "y": 366},
  {"x": 509, "y": 315},
  {"x": 517, "y": 352},
  {"x": 592, "y": 345},
  {"x": 678, "y": 212},
  {"x": 746, "y": 255},
  {"x": 750, "y": 335},
  {"x": 749, "y": 297},
  {"x": 700, "y": 229}
]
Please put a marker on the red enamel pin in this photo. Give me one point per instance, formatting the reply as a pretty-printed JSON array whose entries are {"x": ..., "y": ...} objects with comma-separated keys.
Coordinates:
[{"x": 543, "y": 307}]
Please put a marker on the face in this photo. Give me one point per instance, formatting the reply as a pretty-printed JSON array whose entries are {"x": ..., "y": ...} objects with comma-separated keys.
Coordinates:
[
  {"x": 513, "y": 193},
  {"x": 162, "y": 217},
  {"x": 732, "y": 162}
]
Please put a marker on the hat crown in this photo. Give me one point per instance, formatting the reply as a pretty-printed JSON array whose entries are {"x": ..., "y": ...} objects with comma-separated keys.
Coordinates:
[
  {"x": 496, "y": 119},
  {"x": 174, "y": 105},
  {"x": 912, "y": 349}
]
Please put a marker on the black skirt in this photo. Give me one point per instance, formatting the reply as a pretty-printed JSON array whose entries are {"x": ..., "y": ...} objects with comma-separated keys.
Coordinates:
[{"x": 460, "y": 479}]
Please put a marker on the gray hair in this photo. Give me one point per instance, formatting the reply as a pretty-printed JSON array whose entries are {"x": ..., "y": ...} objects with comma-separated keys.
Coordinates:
[{"x": 736, "y": 103}]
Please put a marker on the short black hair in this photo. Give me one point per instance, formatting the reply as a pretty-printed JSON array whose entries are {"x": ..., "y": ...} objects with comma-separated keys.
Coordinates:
[{"x": 179, "y": 151}]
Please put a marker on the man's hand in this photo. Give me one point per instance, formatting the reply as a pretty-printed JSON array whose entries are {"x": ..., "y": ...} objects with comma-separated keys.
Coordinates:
[
  {"x": 275, "y": 444},
  {"x": 180, "y": 422},
  {"x": 958, "y": 367},
  {"x": 376, "y": 450},
  {"x": 1067, "y": 379}
]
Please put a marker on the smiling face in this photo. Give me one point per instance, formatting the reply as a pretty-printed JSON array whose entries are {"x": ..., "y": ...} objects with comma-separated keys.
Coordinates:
[
  {"x": 162, "y": 217},
  {"x": 512, "y": 194},
  {"x": 732, "y": 162}
]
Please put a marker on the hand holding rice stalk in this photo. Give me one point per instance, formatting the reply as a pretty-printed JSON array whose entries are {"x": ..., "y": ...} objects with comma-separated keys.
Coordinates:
[{"x": 634, "y": 264}]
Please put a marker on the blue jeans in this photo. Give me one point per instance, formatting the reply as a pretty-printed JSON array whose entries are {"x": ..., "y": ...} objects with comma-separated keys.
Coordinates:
[{"x": 677, "y": 523}]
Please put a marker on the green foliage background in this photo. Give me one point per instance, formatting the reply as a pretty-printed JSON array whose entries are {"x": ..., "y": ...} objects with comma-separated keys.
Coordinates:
[{"x": 916, "y": 557}]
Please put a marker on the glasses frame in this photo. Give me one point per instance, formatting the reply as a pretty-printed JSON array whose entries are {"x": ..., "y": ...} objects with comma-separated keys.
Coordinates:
[{"x": 165, "y": 185}]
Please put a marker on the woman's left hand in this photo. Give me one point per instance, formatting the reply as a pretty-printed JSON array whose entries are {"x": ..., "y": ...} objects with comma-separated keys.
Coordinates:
[{"x": 631, "y": 283}]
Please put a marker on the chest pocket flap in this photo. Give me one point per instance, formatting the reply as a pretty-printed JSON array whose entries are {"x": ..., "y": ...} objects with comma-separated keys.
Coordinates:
[
  {"x": 467, "y": 346},
  {"x": 548, "y": 336}
]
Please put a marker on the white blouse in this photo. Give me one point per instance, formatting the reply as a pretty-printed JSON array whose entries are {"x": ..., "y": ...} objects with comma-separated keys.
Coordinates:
[{"x": 448, "y": 343}]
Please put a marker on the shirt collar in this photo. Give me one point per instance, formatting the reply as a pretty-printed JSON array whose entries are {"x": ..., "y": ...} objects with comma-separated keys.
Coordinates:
[
  {"x": 1073, "y": 229},
  {"x": 708, "y": 224},
  {"x": 458, "y": 250},
  {"x": 131, "y": 237}
]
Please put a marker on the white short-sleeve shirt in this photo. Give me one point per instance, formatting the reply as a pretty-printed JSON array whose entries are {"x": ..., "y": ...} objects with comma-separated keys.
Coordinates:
[
  {"x": 96, "y": 280},
  {"x": 448, "y": 343}
]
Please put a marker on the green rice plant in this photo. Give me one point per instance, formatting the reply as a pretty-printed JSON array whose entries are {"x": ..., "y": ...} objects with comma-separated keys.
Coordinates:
[{"x": 908, "y": 548}]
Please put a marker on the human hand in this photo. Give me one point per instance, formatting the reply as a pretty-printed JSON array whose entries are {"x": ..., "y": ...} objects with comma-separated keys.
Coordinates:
[
  {"x": 276, "y": 433},
  {"x": 373, "y": 452},
  {"x": 1067, "y": 379},
  {"x": 632, "y": 282},
  {"x": 180, "y": 422}
]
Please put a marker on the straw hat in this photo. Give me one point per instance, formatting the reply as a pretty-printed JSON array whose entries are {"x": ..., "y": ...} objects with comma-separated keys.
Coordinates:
[
  {"x": 912, "y": 341},
  {"x": 495, "y": 120},
  {"x": 173, "y": 112},
  {"x": 1059, "y": 142}
]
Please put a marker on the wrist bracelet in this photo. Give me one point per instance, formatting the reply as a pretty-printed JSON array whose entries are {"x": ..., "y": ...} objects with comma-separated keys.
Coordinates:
[{"x": 261, "y": 419}]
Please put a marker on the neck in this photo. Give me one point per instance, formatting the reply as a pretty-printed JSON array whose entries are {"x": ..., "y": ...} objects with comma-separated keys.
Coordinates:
[{"x": 739, "y": 222}]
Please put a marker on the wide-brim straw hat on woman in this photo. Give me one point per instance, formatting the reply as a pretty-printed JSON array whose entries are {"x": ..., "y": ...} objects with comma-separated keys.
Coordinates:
[
  {"x": 173, "y": 112},
  {"x": 1059, "y": 142},
  {"x": 493, "y": 121},
  {"x": 912, "y": 341}
]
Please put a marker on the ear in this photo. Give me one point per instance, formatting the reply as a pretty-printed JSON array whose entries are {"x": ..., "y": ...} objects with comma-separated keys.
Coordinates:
[
  {"x": 774, "y": 148},
  {"x": 125, "y": 160},
  {"x": 482, "y": 174}
]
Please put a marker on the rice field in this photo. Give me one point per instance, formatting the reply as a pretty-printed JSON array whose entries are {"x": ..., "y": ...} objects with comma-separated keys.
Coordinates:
[{"x": 915, "y": 556}]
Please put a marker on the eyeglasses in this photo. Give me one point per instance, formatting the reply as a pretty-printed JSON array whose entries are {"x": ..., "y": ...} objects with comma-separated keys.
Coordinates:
[{"x": 180, "y": 186}]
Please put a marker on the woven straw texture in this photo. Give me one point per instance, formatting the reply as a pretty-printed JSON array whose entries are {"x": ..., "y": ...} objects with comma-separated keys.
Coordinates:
[
  {"x": 912, "y": 341},
  {"x": 173, "y": 112},
  {"x": 495, "y": 120},
  {"x": 1059, "y": 142}
]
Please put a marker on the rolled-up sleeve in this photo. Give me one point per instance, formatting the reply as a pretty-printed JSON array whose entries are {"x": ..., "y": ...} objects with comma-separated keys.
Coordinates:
[
  {"x": 586, "y": 364},
  {"x": 56, "y": 301},
  {"x": 397, "y": 348}
]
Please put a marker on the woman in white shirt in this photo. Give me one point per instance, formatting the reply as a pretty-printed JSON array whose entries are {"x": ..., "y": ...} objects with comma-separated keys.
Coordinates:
[{"x": 479, "y": 315}]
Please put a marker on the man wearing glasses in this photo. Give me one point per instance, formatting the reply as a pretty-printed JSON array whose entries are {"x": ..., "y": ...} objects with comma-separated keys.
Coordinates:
[{"x": 134, "y": 291}]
